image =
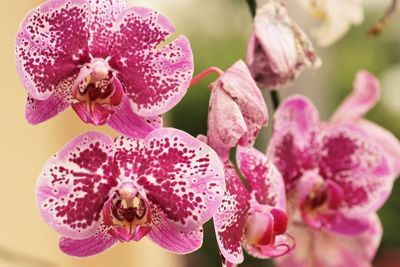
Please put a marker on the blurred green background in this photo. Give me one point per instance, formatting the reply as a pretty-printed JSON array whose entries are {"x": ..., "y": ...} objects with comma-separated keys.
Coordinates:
[{"x": 218, "y": 31}]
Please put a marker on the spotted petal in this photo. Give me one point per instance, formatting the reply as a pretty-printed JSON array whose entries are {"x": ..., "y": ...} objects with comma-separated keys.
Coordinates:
[
  {"x": 37, "y": 111},
  {"x": 50, "y": 44},
  {"x": 127, "y": 122},
  {"x": 262, "y": 177},
  {"x": 87, "y": 247},
  {"x": 103, "y": 15},
  {"x": 358, "y": 166},
  {"x": 179, "y": 173},
  {"x": 155, "y": 79},
  {"x": 386, "y": 140},
  {"x": 292, "y": 145},
  {"x": 365, "y": 94},
  {"x": 75, "y": 183},
  {"x": 230, "y": 219},
  {"x": 170, "y": 238}
]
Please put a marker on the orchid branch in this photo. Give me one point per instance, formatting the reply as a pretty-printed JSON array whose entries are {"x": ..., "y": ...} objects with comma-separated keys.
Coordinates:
[{"x": 378, "y": 27}]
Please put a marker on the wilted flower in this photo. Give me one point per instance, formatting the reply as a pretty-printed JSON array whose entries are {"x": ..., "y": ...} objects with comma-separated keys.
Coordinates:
[
  {"x": 337, "y": 174},
  {"x": 96, "y": 191},
  {"x": 336, "y": 16},
  {"x": 105, "y": 60},
  {"x": 278, "y": 49},
  {"x": 325, "y": 249},
  {"x": 237, "y": 110},
  {"x": 256, "y": 220}
]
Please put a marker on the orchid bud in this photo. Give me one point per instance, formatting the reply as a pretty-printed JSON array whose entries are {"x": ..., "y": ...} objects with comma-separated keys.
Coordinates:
[
  {"x": 278, "y": 49},
  {"x": 236, "y": 111}
]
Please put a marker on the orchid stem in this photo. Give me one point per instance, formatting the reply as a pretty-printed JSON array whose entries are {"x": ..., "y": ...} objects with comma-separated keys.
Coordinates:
[
  {"x": 252, "y": 6},
  {"x": 382, "y": 23},
  {"x": 274, "y": 94},
  {"x": 275, "y": 99},
  {"x": 205, "y": 73}
]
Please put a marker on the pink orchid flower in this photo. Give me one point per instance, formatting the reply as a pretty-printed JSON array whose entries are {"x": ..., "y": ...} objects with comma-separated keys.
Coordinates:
[
  {"x": 96, "y": 191},
  {"x": 237, "y": 110},
  {"x": 104, "y": 59},
  {"x": 327, "y": 249},
  {"x": 256, "y": 220},
  {"x": 337, "y": 173},
  {"x": 278, "y": 49}
]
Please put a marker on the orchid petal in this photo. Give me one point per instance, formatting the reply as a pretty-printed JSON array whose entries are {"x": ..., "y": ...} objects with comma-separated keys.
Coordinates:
[
  {"x": 50, "y": 44},
  {"x": 179, "y": 173},
  {"x": 315, "y": 247},
  {"x": 371, "y": 239},
  {"x": 302, "y": 256},
  {"x": 293, "y": 143},
  {"x": 155, "y": 78},
  {"x": 75, "y": 183},
  {"x": 230, "y": 219},
  {"x": 341, "y": 250},
  {"x": 226, "y": 263},
  {"x": 358, "y": 166},
  {"x": 365, "y": 94},
  {"x": 127, "y": 122},
  {"x": 262, "y": 177},
  {"x": 386, "y": 140},
  {"x": 349, "y": 226},
  {"x": 249, "y": 137},
  {"x": 103, "y": 14},
  {"x": 37, "y": 111},
  {"x": 338, "y": 17},
  {"x": 87, "y": 247},
  {"x": 172, "y": 239}
]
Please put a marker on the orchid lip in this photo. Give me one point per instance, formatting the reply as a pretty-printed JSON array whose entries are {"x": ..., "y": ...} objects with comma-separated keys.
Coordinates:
[
  {"x": 128, "y": 214},
  {"x": 321, "y": 204},
  {"x": 95, "y": 90},
  {"x": 264, "y": 223},
  {"x": 259, "y": 229}
]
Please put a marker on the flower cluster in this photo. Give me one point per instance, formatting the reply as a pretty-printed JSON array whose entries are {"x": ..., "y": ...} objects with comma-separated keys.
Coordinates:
[
  {"x": 337, "y": 175},
  {"x": 313, "y": 195}
]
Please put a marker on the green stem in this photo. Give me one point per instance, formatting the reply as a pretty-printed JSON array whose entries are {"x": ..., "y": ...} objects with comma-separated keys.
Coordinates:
[
  {"x": 275, "y": 99},
  {"x": 252, "y": 6}
]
